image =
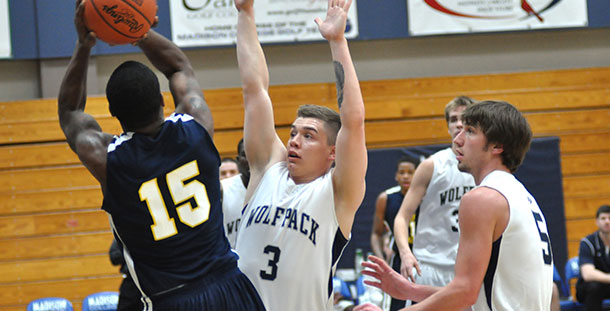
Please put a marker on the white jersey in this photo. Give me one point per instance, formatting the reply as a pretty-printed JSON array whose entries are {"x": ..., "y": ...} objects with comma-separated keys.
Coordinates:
[
  {"x": 233, "y": 195},
  {"x": 289, "y": 241},
  {"x": 436, "y": 234},
  {"x": 520, "y": 271}
]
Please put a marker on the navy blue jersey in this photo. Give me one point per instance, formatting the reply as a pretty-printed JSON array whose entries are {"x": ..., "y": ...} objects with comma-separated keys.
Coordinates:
[
  {"x": 163, "y": 195},
  {"x": 392, "y": 206}
]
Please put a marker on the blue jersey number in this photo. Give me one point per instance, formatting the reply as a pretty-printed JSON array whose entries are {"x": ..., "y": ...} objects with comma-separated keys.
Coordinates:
[
  {"x": 270, "y": 249},
  {"x": 544, "y": 237}
]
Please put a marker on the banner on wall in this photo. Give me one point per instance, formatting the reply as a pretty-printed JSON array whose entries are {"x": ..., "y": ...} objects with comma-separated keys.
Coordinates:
[
  {"x": 214, "y": 22},
  {"x": 5, "y": 31},
  {"x": 429, "y": 17}
]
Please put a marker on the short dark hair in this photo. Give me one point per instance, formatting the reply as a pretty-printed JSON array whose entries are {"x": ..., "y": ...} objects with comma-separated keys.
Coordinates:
[
  {"x": 502, "y": 124},
  {"x": 457, "y": 102},
  {"x": 228, "y": 160},
  {"x": 240, "y": 146},
  {"x": 134, "y": 96},
  {"x": 602, "y": 209},
  {"x": 409, "y": 159},
  {"x": 331, "y": 119}
]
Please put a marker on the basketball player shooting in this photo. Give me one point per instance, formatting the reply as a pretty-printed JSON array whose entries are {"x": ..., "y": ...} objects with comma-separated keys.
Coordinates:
[{"x": 159, "y": 178}]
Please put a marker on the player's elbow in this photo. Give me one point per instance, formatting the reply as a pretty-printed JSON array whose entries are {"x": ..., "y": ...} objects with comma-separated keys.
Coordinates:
[
  {"x": 470, "y": 298},
  {"x": 353, "y": 117},
  {"x": 468, "y": 293}
]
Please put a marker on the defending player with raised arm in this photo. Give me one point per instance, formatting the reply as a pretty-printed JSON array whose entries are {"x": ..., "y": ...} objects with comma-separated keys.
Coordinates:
[
  {"x": 504, "y": 260},
  {"x": 159, "y": 178},
  {"x": 300, "y": 208},
  {"x": 436, "y": 190}
]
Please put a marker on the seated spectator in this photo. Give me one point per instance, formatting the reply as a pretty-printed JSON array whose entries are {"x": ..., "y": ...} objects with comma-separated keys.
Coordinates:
[{"x": 593, "y": 285}]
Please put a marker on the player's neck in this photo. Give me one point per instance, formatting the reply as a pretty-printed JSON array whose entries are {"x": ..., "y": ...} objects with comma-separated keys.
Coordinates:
[
  {"x": 486, "y": 170},
  {"x": 151, "y": 130}
]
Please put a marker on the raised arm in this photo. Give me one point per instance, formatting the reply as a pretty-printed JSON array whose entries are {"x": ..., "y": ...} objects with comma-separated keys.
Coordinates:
[
  {"x": 419, "y": 185},
  {"x": 173, "y": 63},
  {"x": 350, "y": 149},
  {"x": 83, "y": 133},
  {"x": 262, "y": 145}
]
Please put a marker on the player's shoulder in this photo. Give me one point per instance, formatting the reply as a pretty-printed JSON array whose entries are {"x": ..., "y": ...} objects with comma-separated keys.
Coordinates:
[{"x": 483, "y": 198}]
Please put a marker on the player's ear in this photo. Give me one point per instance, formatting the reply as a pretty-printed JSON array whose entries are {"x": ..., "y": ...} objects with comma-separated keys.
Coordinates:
[
  {"x": 497, "y": 149},
  {"x": 332, "y": 154}
]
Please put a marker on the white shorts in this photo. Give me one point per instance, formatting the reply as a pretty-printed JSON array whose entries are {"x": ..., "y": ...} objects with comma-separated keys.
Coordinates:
[{"x": 434, "y": 275}]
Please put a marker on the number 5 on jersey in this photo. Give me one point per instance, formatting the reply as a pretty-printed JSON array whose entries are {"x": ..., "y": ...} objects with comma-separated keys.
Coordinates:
[{"x": 163, "y": 226}]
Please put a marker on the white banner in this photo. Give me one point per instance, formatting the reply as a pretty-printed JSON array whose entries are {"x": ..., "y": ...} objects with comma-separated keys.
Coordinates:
[
  {"x": 428, "y": 17},
  {"x": 214, "y": 22},
  {"x": 5, "y": 31}
]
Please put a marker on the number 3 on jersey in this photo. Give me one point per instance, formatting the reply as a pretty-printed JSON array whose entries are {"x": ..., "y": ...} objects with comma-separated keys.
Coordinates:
[
  {"x": 163, "y": 226},
  {"x": 272, "y": 263}
]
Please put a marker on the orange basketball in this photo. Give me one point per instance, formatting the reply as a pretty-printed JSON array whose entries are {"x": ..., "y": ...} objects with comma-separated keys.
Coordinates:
[{"x": 120, "y": 21}]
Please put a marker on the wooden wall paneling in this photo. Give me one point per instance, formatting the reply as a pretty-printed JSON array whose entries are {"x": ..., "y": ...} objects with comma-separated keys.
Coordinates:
[
  {"x": 56, "y": 246},
  {"x": 48, "y": 224},
  {"x": 50, "y": 200}
]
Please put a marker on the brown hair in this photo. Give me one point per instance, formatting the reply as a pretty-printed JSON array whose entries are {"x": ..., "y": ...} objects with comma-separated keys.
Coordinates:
[
  {"x": 331, "y": 119},
  {"x": 457, "y": 102},
  {"x": 502, "y": 124}
]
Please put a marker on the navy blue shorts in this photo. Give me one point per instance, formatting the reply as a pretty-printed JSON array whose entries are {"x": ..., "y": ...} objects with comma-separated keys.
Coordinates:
[{"x": 225, "y": 290}]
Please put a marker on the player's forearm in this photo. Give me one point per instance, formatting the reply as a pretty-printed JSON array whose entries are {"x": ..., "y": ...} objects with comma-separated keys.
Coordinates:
[
  {"x": 73, "y": 89},
  {"x": 349, "y": 95},
  {"x": 441, "y": 298},
  {"x": 250, "y": 57},
  {"x": 166, "y": 56},
  {"x": 401, "y": 235},
  {"x": 377, "y": 245}
]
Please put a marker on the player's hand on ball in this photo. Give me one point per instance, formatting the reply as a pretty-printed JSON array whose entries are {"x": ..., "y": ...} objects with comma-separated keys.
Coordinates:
[{"x": 85, "y": 37}]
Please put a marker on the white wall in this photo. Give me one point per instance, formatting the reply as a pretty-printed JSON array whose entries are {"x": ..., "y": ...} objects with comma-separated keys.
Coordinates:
[{"x": 374, "y": 60}]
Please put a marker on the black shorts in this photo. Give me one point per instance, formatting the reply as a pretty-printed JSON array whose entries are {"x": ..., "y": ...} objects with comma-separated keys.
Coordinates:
[{"x": 225, "y": 290}]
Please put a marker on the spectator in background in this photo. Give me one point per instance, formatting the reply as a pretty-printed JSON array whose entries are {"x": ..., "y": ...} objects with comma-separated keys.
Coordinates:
[
  {"x": 228, "y": 168},
  {"x": 386, "y": 207},
  {"x": 593, "y": 285},
  {"x": 129, "y": 294}
]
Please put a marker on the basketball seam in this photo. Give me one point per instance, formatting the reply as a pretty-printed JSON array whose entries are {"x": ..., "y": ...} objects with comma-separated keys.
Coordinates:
[
  {"x": 143, "y": 15},
  {"x": 111, "y": 26}
]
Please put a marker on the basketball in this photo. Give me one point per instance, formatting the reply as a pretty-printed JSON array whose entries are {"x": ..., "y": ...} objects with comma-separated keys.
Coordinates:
[{"x": 120, "y": 21}]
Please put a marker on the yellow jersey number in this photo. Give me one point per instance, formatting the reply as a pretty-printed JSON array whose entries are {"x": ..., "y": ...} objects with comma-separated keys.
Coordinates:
[{"x": 164, "y": 226}]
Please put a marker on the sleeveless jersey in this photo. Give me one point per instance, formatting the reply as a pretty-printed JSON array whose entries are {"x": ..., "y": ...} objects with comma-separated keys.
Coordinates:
[
  {"x": 437, "y": 235},
  {"x": 392, "y": 205},
  {"x": 290, "y": 242},
  {"x": 394, "y": 199},
  {"x": 163, "y": 197},
  {"x": 233, "y": 195},
  {"x": 520, "y": 271}
]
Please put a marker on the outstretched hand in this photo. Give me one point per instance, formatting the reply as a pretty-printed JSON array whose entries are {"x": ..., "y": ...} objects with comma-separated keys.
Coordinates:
[
  {"x": 406, "y": 267},
  {"x": 390, "y": 281},
  {"x": 333, "y": 27},
  {"x": 244, "y": 4},
  {"x": 85, "y": 37}
]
